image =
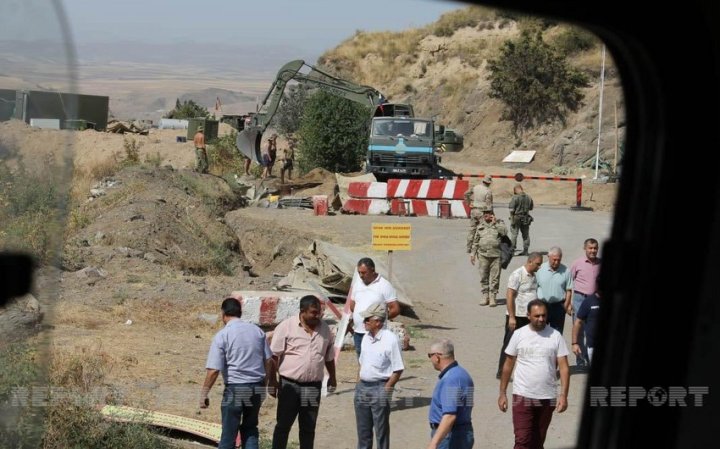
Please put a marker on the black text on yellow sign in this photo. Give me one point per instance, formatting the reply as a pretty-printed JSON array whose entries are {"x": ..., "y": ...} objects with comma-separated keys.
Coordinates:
[{"x": 391, "y": 236}]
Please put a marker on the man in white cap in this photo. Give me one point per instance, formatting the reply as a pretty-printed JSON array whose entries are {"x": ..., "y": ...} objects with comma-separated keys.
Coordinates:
[{"x": 381, "y": 365}]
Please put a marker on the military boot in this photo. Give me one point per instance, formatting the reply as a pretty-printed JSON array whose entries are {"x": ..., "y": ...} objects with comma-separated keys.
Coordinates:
[
  {"x": 492, "y": 301},
  {"x": 485, "y": 300}
]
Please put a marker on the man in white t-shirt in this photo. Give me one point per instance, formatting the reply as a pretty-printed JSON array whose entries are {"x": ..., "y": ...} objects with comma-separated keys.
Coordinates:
[
  {"x": 536, "y": 351},
  {"x": 522, "y": 288},
  {"x": 369, "y": 288}
]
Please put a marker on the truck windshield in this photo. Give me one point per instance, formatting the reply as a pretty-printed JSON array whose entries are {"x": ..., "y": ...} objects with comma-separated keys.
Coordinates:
[{"x": 402, "y": 127}]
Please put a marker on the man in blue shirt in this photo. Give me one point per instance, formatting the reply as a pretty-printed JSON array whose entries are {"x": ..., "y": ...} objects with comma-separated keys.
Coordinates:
[
  {"x": 586, "y": 318},
  {"x": 241, "y": 353},
  {"x": 555, "y": 288},
  {"x": 452, "y": 400}
]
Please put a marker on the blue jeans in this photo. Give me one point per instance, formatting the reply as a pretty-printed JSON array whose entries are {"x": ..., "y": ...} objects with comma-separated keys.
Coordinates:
[
  {"x": 239, "y": 409},
  {"x": 577, "y": 301},
  {"x": 460, "y": 437},
  {"x": 357, "y": 339}
]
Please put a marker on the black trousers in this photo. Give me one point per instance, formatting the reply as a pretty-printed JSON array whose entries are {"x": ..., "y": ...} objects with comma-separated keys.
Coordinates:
[
  {"x": 556, "y": 315},
  {"x": 520, "y": 321},
  {"x": 297, "y": 400}
]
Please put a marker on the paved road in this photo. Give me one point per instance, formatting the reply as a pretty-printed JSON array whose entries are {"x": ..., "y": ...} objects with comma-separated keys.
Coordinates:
[{"x": 444, "y": 286}]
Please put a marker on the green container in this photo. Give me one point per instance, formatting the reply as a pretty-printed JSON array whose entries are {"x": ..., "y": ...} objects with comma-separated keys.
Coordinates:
[
  {"x": 79, "y": 125},
  {"x": 210, "y": 128}
]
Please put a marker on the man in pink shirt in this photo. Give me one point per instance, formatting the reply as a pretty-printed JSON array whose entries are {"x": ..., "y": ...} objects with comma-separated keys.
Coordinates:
[
  {"x": 584, "y": 272},
  {"x": 302, "y": 348}
]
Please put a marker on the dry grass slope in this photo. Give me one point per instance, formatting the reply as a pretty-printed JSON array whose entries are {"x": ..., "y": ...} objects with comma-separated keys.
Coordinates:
[{"x": 441, "y": 69}]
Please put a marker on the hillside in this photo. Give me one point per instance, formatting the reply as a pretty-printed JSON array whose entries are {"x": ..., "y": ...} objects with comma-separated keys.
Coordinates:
[{"x": 442, "y": 69}]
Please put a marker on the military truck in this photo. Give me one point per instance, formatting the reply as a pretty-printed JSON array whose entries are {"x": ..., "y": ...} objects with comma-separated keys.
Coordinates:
[{"x": 404, "y": 147}]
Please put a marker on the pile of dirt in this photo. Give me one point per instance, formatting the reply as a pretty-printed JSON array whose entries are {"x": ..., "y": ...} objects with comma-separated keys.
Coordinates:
[{"x": 156, "y": 229}]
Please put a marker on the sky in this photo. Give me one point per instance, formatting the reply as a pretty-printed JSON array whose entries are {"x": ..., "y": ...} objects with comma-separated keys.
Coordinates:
[{"x": 311, "y": 25}]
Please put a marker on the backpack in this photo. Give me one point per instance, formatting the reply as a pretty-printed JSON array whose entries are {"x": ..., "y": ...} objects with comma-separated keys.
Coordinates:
[{"x": 506, "y": 251}]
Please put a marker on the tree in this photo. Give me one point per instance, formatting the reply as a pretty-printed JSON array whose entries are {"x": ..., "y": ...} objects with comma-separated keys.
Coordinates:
[
  {"x": 536, "y": 84},
  {"x": 187, "y": 109},
  {"x": 289, "y": 116},
  {"x": 334, "y": 133}
]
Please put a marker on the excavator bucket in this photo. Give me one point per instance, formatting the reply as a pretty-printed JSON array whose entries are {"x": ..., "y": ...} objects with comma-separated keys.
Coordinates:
[{"x": 248, "y": 143}]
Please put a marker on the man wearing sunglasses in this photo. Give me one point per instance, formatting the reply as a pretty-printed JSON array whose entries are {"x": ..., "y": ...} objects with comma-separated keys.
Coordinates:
[
  {"x": 452, "y": 400},
  {"x": 381, "y": 365}
]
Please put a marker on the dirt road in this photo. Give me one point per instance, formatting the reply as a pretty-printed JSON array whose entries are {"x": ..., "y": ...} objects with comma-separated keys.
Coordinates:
[{"x": 443, "y": 285}]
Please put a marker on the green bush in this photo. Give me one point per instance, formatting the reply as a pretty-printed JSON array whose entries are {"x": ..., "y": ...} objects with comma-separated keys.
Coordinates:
[
  {"x": 334, "y": 134},
  {"x": 132, "y": 151},
  {"x": 224, "y": 157},
  {"x": 536, "y": 84},
  {"x": 31, "y": 210},
  {"x": 574, "y": 40},
  {"x": 187, "y": 109},
  {"x": 289, "y": 115}
]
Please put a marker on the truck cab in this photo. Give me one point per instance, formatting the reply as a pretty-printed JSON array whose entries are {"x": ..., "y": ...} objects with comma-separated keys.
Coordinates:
[{"x": 402, "y": 147}]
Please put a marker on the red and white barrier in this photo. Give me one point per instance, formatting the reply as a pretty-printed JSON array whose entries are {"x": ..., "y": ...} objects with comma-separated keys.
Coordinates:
[
  {"x": 429, "y": 208},
  {"x": 366, "y": 206},
  {"x": 367, "y": 190},
  {"x": 270, "y": 308},
  {"x": 431, "y": 189}
]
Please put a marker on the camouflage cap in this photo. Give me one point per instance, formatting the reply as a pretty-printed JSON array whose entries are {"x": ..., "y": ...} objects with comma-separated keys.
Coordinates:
[{"x": 487, "y": 179}]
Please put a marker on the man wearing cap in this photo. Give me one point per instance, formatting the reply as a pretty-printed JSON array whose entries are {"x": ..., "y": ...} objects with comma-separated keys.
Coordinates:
[
  {"x": 241, "y": 353},
  {"x": 479, "y": 198},
  {"x": 368, "y": 288},
  {"x": 520, "y": 206},
  {"x": 201, "y": 159},
  {"x": 381, "y": 365},
  {"x": 302, "y": 347},
  {"x": 485, "y": 248}
]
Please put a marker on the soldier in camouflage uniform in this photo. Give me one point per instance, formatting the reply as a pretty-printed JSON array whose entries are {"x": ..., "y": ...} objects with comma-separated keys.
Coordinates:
[
  {"x": 478, "y": 198},
  {"x": 485, "y": 247},
  {"x": 520, "y": 206}
]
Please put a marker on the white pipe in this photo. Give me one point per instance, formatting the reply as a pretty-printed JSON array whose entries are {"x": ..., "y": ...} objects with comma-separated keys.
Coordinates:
[{"x": 602, "y": 86}]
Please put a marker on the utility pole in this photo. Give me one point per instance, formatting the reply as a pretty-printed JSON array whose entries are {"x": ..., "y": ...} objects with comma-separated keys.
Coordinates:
[{"x": 602, "y": 86}]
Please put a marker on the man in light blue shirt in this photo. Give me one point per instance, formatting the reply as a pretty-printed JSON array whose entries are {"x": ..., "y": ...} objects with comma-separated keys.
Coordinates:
[
  {"x": 241, "y": 353},
  {"x": 555, "y": 288}
]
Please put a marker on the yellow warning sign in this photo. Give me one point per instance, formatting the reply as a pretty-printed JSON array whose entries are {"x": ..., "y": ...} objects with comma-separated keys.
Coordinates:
[{"x": 391, "y": 236}]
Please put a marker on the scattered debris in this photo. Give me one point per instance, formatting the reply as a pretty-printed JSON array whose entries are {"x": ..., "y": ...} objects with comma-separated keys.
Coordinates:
[{"x": 136, "y": 127}]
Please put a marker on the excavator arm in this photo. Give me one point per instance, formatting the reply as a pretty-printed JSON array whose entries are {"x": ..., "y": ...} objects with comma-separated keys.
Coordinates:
[{"x": 249, "y": 139}]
